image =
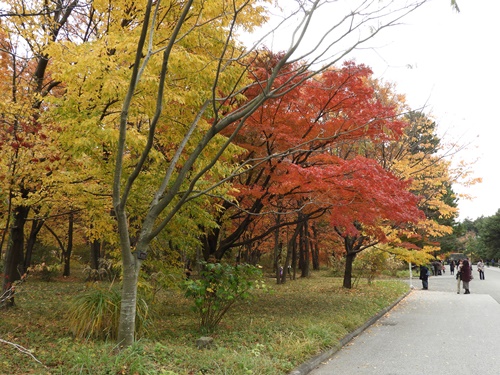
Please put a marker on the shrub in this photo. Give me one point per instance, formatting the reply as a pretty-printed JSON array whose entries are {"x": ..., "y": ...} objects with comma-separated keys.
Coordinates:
[
  {"x": 372, "y": 263},
  {"x": 96, "y": 313},
  {"x": 219, "y": 287},
  {"x": 44, "y": 271},
  {"x": 337, "y": 267},
  {"x": 107, "y": 270}
]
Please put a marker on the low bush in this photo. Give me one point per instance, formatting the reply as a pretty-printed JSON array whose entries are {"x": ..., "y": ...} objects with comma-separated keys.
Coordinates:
[
  {"x": 46, "y": 272},
  {"x": 218, "y": 288},
  {"x": 107, "y": 270},
  {"x": 95, "y": 314}
]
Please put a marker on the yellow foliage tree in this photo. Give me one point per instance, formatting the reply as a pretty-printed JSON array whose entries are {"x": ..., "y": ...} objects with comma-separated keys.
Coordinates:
[
  {"x": 419, "y": 156},
  {"x": 31, "y": 154}
]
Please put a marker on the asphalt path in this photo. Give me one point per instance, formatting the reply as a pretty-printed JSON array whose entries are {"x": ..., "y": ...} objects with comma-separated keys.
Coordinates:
[
  {"x": 435, "y": 331},
  {"x": 445, "y": 283}
]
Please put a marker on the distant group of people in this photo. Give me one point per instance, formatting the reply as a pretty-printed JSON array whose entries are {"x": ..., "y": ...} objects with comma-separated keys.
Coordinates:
[
  {"x": 438, "y": 268},
  {"x": 463, "y": 273}
]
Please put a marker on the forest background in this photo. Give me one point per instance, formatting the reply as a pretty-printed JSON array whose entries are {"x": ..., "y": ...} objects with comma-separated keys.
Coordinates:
[{"x": 147, "y": 142}]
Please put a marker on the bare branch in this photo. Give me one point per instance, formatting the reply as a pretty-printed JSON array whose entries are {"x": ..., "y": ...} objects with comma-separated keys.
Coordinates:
[{"x": 23, "y": 350}]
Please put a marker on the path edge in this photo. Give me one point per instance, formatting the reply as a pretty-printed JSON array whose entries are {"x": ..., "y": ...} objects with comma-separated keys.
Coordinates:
[{"x": 315, "y": 361}]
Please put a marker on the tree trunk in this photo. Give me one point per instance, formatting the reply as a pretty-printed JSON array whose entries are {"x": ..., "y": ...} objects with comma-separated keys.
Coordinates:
[
  {"x": 14, "y": 255},
  {"x": 210, "y": 243},
  {"x": 246, "y": 255},
  {"x": 315, "y": 248},
  {"x": 286, "y": 266},
  {"x": 126, "y": 328},
  {"x": 294, "y": 259},
  {"x": 280, "y": 268},
  {"x": 69, "y": 247},
  {"x": 131, "y": 267},
  {"x": 304, "y": 251},
  {"x": 35, "y": 229},
  {"x": 290, "y": 254},
  {"x": 67, "y": 265},
  {"x": 277, "y": 266},
  {"x": 349, "y": 260},
  {"x": 95, "y": 252},
  {"x": 255, "y": 256}
]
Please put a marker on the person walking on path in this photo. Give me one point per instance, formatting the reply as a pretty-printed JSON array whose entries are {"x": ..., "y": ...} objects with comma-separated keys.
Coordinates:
[
  {"x": 452, "y": 267},
  {"x": 466, "y": 275},
  {"x": 480, "y": 269},
  {"x": 424, "y": 276},
  {"x": 436, "y": 268},
  {"x": 459, "y": 275}
]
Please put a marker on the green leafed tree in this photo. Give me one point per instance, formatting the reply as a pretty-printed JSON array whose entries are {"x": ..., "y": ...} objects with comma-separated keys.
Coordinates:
[{"x": 486, "y": 241}]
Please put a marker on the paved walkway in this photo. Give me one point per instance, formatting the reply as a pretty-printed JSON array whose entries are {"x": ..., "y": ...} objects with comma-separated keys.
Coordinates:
[{"x": 428, "y": 332}]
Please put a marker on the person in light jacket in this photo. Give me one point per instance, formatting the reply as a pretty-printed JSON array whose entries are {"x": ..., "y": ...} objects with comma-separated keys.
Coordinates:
[
  {"x": 466, "y": 275},
  {"x": 480, "y": 269}
]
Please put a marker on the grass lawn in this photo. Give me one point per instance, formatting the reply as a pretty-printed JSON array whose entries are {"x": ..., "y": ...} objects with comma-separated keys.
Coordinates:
[{"x": 272, "y": 334}]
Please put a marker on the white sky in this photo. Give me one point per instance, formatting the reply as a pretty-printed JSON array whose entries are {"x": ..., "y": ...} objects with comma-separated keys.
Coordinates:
[
  {"x": 454, "y": 59},
  {"x": 446, "y": 61}
]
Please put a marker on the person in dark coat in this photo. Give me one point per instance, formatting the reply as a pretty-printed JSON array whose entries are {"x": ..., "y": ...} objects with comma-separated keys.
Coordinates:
[
  {"x": 459, "y": 274},
  {"x": 452, "y": 267},
  {"x": 424, "y": 276},
  {"x": 436, "y": 267},
  {"x": 466, "y": 275}
]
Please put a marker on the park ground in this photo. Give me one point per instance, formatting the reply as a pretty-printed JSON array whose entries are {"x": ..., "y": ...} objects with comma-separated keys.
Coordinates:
[{"x": 271, "y": 334}]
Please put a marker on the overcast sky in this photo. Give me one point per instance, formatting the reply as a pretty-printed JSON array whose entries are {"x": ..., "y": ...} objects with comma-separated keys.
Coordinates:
[{"x": 448, "y": 61}]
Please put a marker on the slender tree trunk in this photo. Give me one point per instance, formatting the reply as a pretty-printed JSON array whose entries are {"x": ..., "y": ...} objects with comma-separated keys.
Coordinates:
[
  {"x": 315, "y": 248},
  {"x": 210, "y": 243},
  {"x": 95, "y": 252},
  {"x": 294, "y": 259},
  {"x": 287, "y": 265},
  {"x": 281, "y": 268},
  {"x": 290, "y": 254},
  {"x": 300, "y": 252},
  {"x": 304, "y": 250},
  {"x": 277, "y": 266},
  {"x": 247, "y": 253},
  {"x": 35, "y": 229},
  {"x": 126, "y": 328},
  {"x": 67, "y": 264},
  {"x": 69, "y": 247},
  {"x": 14, "y": 255},
  {"x": 131, "y": 262},
  {"x": 8, "y": 215},
  {"x": 349, "y": 260}
]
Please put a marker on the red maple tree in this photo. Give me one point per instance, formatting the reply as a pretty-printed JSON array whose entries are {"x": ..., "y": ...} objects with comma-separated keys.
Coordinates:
[{"x": 304, "y": 148}]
